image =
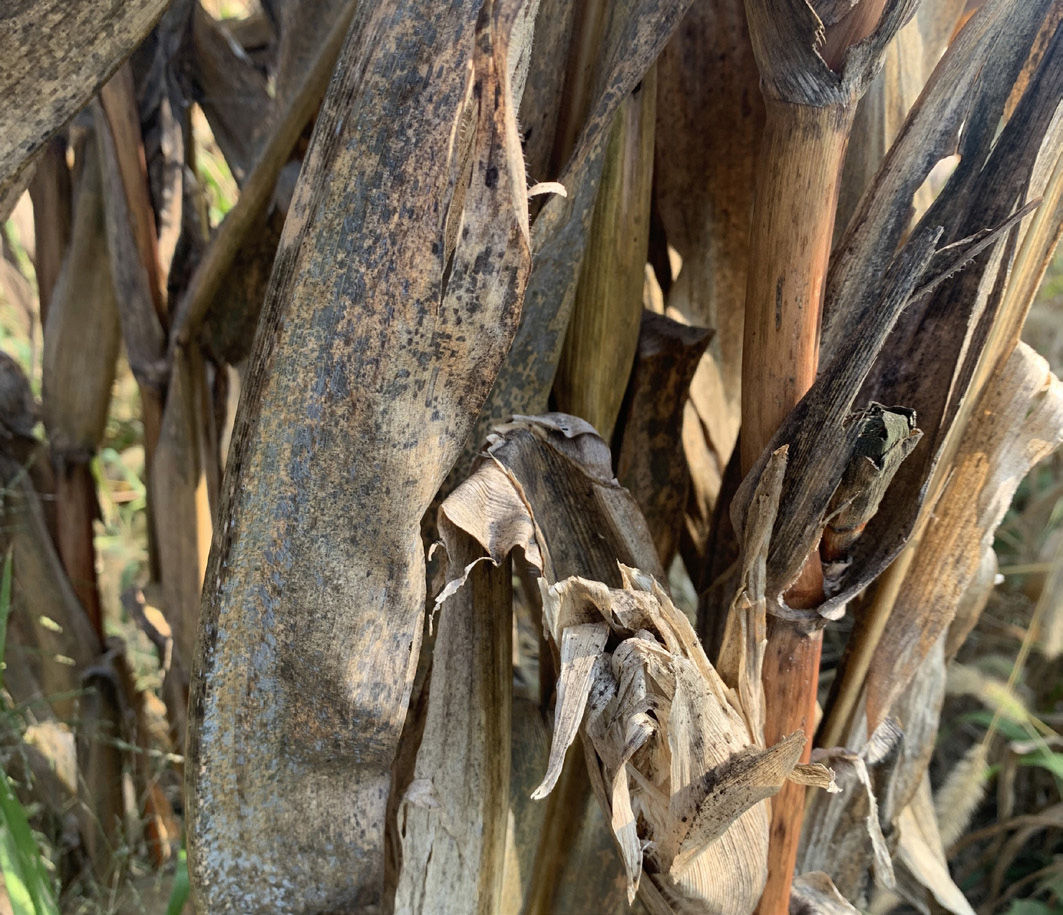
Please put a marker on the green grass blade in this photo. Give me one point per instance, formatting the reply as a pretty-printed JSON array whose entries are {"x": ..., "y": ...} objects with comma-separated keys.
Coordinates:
[
  {"x": 27, "y": 880},
  {"x": 179, "y": 893},
  {"x": 28, "y": 885}
]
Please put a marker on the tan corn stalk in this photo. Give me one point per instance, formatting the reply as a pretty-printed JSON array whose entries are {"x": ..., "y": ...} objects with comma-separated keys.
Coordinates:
[{"x": 324, "y": 699}]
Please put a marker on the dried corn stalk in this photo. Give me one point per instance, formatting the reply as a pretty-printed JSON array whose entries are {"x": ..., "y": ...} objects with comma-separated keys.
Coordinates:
[{"x": 371, "y": 363}]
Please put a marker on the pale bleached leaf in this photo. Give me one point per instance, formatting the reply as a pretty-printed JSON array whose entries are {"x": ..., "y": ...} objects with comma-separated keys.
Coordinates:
[
  {"x": 814, "y": 893},
  {"x": 580, "y": 647}
]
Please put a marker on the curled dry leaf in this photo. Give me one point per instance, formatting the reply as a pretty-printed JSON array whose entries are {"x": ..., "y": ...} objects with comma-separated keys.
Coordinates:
[
  {"x": 850, "y": 819},
  {"x": 886, "y": 437},
  {"x": 681, "y": 774},
  {"x": 676, "y": 765}
]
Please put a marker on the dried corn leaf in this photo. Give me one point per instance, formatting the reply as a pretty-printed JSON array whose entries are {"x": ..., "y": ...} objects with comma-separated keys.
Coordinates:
[
  {"x": 530, "y": 744},
  {"x": 963, "y": 329},
  {"x": 179, "y": 491},
  {"x": 961, "y": 530},
  {"x": 1002, "y": 32},
  {"x": 741, "y": 656},
  {"x": 162, "y": 100},
  {"x": 592, "y": 375},
  {"x": 651, "y": 463},
  {"x": 583, "y": 519},
  {"x": 81, "y": 340},
  {"x": 541, "y": 103},
  {"x": 51, "y": 617},
  {"x": 365, "y": 384},
  {"x": 939, "y": 340},
  {"x": 842, "y": 833},
  {"x": 906, "y": 63},
  {"x": 897, "y": 754},
  {"x": 102, "y": 724},
  {"x": 60, "y": 645},
  {"x": 923, "y": 877},
  {"x": 710, "y": 116},
  {"x": 944, "y": 334},
  {"x": 56, "y": 55},
  {"x": 81, "y": 335},
  {"x": 682, "y": 775},
  {"x": 592, "y": 522},
  {"x": 823, "y": 433},
  {"x": 1018, "y": 421},
  {"x": 232, "y": 91},
  {"x": 230, "y": 243},
  {"x": 183, "y": 487},
  {"x": 132, "y": 245},
  {"x": 918, "y": 712},
  {"x": 974, "y": 600},
  {"x": 612, "y": 692},
  {"x": 815, "y": 894},
  {"x": 633, "y": 35},
  {"x": 229, "y": 323},
  {"x": 299, "y": 37},
  {"x": 52, "y": 212},
  {"x": 677, "y": 768},
  {"x": 452, "y": 820}
]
